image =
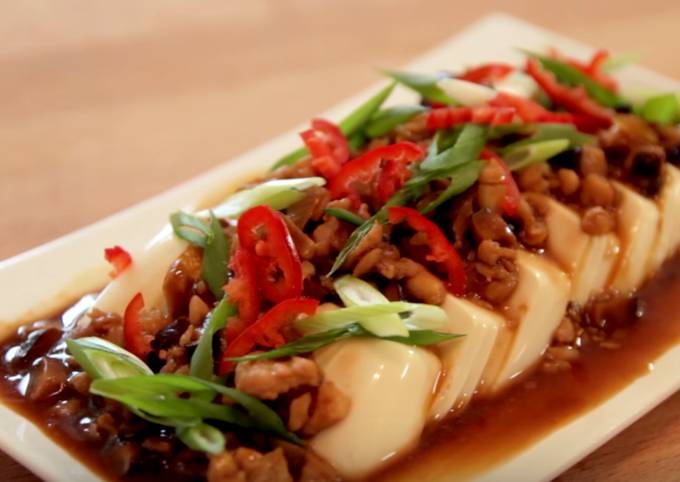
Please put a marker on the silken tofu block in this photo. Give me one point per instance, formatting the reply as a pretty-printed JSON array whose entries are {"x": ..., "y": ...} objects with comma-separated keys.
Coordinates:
[
  {"x": 464, "y": 359},
  {"x": 588, "y": 260},
  {"x": 391, "y": 386},
  {"x": 567, "y": 243},
  {"x": 594, "y": 271},
  {"x": 144, "y": 275},
  {"x": 638, "y": 224},
  {"x": 538, "y": 305},
  {"x": 668, "y": 202}
]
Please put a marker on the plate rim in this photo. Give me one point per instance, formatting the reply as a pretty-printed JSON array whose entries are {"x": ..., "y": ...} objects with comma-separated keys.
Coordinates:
[{"x": 644, "y": 392}]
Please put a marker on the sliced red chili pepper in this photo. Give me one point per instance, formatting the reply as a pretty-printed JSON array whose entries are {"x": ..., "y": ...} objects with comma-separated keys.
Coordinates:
[
  {"x": 242, "y": 291},
  {"x": 574, "y": 99},
  {"x": 136, "y": 341},
  {"x": 328, "y": 146},
  {"x": 512, "y": 197},
  {"x": 487, "y": 73},
  {"x": 365, "y": 167},
  {"x": 446, "y": 117},
  {"x": 119, "y": 259},
  {"x": 441, "y": 251},
  {"x": 592, "y": 68},
  {"x": 263, "y": 232},
  {"x": 391, "y": 178},
  {"x": 267, "y": 330}
]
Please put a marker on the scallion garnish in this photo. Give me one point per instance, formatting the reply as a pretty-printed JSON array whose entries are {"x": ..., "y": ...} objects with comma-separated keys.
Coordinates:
[
  {"x": 466, "y": 147},
  {"x": 215, "y": 246},
  {"x": 661, "y": 109},
  {"x": 550, "y": 132},
  {"x": 386, "y": 120},
  {"x": 103, "y": 359},
  {"x": 202, "y": 361},
  {"x": 345, "y": 215},
  {"x": 277, "y": 194},
  {"x": 424, "y": 84},
  {"x": 529, "y": 154},
  {"x": 432, "y": 316},
  {"x": 180, "y": 401},
  {"x": 356, "y": 292},
  {"x": 316, "y": 341}
]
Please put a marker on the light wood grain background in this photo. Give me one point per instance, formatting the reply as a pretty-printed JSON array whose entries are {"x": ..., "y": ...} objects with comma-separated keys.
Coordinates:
[{"x": 103, "y": 104}]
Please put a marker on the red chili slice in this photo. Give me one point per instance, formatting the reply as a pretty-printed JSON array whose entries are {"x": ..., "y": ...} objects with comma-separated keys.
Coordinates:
[
  {"x": 328, "y": 146},
  {"x": 242, "y": 291},
  {"x": 441, "y": 251},
  {"x": 391, "y": 178},
  {"x": 592, "y": 68},
  {"x": 487, "y": 73},
  {"x": 136, "y": 341},
  {"x": 267, "y": 330},
  {"x": 365, "y": 167},
  {"x": 447, "y": 117},
  {"x": 512, "y": 197},
  {"x": 263, "y": 232},
  {"x": 574, "y": 99},
  {"x": 119, "y": 259}
]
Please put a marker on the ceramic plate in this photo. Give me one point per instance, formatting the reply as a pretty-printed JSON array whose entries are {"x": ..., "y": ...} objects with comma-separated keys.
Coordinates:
[{"x": 57, "y": 272}]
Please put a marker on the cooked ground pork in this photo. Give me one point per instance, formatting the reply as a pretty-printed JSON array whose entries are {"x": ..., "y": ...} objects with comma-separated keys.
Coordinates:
[{"x": 267, "y": 379}]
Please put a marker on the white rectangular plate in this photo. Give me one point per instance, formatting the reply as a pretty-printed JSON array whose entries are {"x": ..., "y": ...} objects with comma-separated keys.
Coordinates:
[{"x": 64, "y": 268}]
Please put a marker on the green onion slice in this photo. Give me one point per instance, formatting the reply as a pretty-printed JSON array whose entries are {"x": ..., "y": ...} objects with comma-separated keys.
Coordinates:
[
  {"x": 425, "y": 84},
  {"x": 414, "y": 313},
  {"x": 356, "y": 292},
  {"x": 277, "y": 194},
  {"x": 202, "y": 437},
  {"x": 103, "y": 359},
  {"x": 202, "y": 361},
  {"x": 661, "y": 109},
  {"x": 316, "y": 341},
  {"x": 534, "y": 153},
  {"x": 387, "y": 119}
]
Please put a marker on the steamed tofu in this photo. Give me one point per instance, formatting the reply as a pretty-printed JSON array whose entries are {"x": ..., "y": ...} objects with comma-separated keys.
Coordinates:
[
  {"x": 592, "y": 275},
  {"x": 390, "y": 386},
  {"x": 638, "y": 224},
  {"x": 537, "y": 305},
  {"x": 668, "y": 237},
  {"x": 567, "y": 243},
  {"x": 144, "y": 275},
  {"x": 463, "y": 360},
  {"x": 588, "y": 260}
]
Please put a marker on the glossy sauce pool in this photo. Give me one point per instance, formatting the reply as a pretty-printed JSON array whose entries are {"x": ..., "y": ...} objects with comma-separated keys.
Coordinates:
[{"x": 490, "y": 431}]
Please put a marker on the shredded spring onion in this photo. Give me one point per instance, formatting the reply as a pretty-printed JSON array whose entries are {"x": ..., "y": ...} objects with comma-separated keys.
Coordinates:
[
  {"x": 103, "y": 359},
  {"x": 534, "y": 153},
  {"x": 277, "y": 194},
  {"x": 355, "y": 292}
]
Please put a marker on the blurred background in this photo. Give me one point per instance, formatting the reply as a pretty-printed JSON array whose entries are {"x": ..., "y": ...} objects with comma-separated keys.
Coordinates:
[{"x": 105, "y": 103}]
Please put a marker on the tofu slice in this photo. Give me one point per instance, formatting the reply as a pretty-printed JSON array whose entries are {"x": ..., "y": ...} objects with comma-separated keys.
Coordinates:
[
  {"x": 538, "y": 303},
  {"x": 588, "y": 260},
  {"x": 567, "y": 243},
  {"x": 668, "y": 237},
  {"x": 592, "y": 275},
  {"x": 391, "y": 387},
  {"x": 144, "y": 275},
  {"x": 638, "y": 225},
  {"x": 464, "y": 359}
]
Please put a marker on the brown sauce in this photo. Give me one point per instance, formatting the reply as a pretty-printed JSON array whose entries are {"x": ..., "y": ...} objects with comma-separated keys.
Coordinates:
[
  {"x": 490, "y": 431},
  {"x": 485, "y": 434}
]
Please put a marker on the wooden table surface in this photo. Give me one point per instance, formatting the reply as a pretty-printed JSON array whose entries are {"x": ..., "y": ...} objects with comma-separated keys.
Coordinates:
[{"x": 103, "y": 104}]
